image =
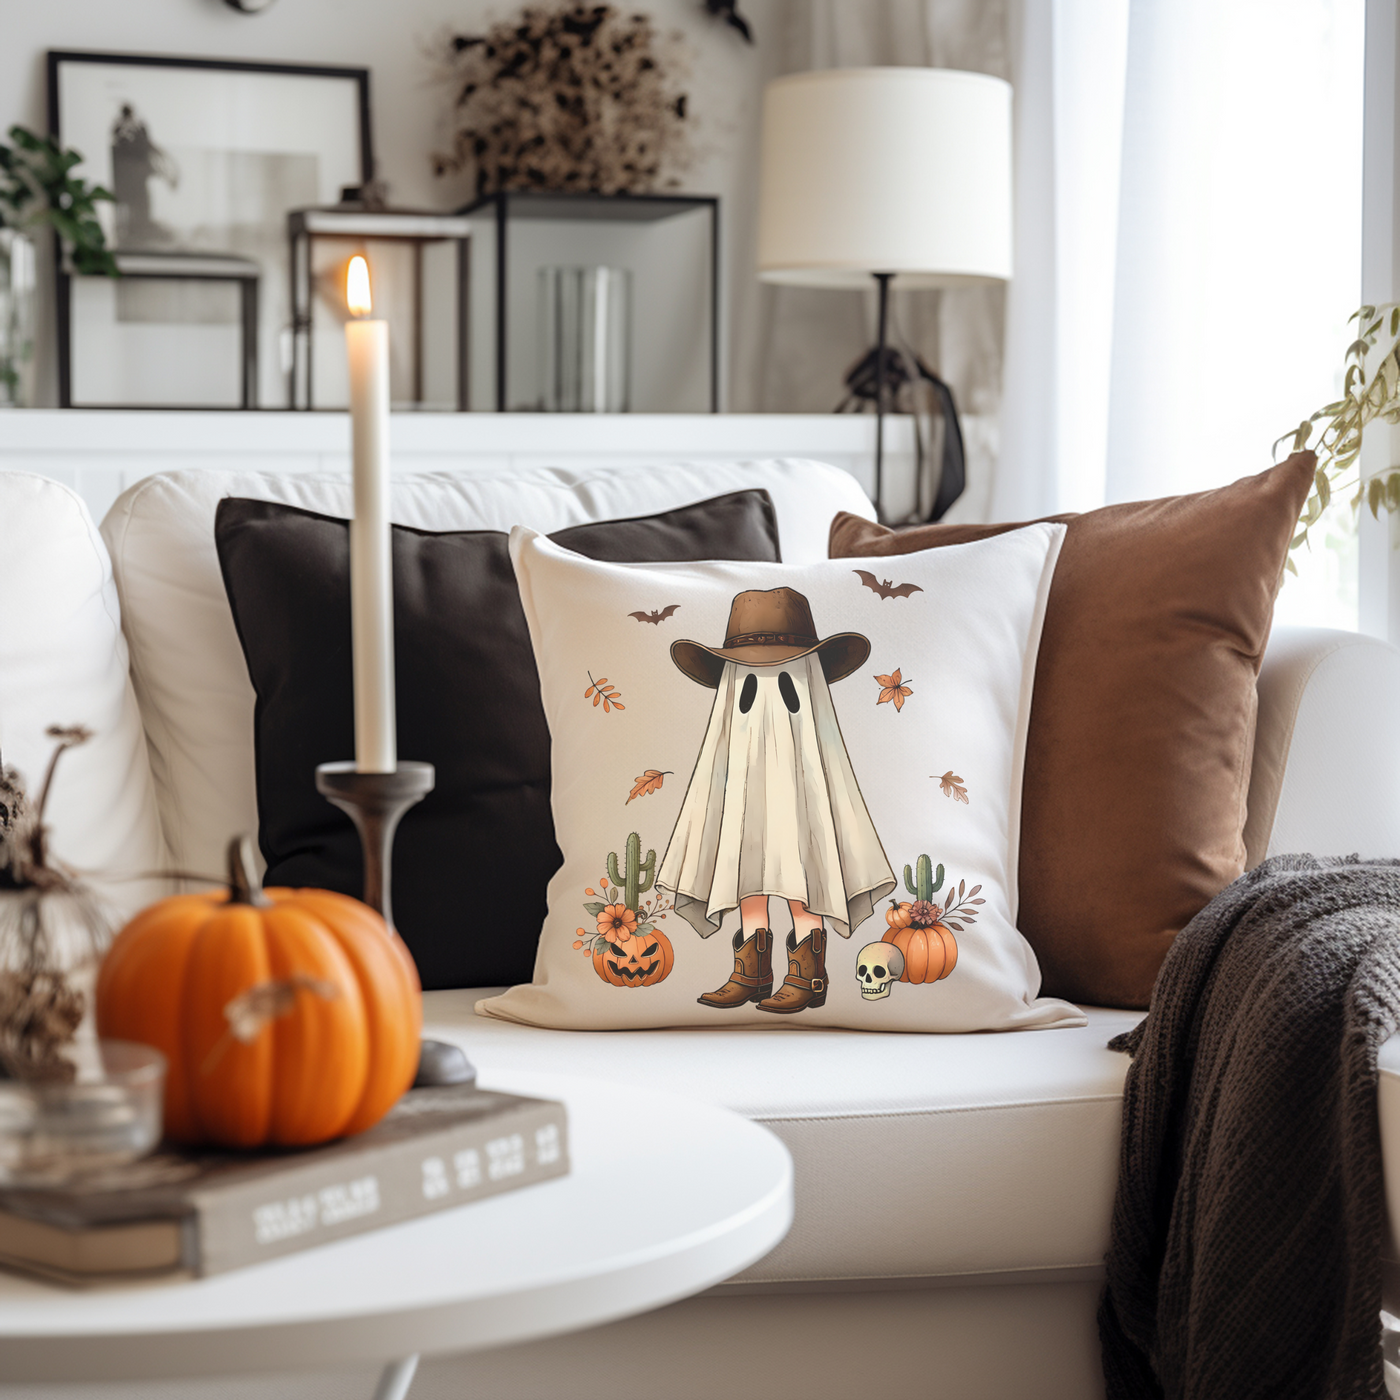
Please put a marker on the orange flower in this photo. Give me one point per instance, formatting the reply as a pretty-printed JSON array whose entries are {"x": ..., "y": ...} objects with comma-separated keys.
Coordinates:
[{"x": 617, "y": 921}]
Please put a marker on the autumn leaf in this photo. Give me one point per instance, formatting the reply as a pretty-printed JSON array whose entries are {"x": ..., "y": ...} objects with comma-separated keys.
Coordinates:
[
  {"x": 952, "y": 786},
  {"x": 648, "y": 783},
  {"x": 893, "y": 688},
  {"x": 602, "y": 693}
]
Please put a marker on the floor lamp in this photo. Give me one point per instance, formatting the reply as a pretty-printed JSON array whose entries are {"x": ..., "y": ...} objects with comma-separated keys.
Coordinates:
[{"x": 900, "y": 174}]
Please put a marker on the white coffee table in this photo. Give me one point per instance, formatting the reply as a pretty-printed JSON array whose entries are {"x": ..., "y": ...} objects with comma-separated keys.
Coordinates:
[{"x": 666, "y": 1197}]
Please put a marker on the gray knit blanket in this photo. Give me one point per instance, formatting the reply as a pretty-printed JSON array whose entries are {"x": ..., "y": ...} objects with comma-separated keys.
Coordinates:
[{"x": 1244, "y": 1259}]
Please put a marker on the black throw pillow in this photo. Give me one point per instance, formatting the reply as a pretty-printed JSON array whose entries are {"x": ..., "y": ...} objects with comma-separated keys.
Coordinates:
[{"x": 473, "y": 859}]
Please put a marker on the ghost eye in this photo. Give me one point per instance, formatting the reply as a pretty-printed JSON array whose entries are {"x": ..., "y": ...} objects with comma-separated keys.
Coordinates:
[
  {"x": 789, "y": 693},
  {"x": 746, "y": 696}
]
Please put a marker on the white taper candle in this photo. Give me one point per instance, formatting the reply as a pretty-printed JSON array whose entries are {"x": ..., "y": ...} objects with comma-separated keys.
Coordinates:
[{"x": 371, "y": 560}]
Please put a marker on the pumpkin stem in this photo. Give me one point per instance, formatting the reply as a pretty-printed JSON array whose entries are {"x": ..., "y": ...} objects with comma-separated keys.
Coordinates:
[{"x": 243, "y": 885}]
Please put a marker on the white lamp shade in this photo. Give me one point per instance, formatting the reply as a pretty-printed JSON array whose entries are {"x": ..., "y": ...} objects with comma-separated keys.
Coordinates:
[{"x": 901, "y": 170}]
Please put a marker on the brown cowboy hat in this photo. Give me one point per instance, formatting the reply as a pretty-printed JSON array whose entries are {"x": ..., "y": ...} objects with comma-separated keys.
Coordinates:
[{"x": 767, "y": 629}]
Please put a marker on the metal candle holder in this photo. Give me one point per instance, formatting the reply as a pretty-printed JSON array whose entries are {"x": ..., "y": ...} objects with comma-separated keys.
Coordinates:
[{"x": 376, "y": 802}]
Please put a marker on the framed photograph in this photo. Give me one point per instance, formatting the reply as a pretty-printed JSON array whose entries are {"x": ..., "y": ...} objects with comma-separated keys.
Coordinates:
[{"x": 205, "y": 158}]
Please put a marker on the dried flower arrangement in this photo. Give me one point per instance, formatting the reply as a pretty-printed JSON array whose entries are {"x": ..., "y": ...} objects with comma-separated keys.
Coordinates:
[
  {"x": 52, "y": 928},
  {"x": 580, "y": 98}
]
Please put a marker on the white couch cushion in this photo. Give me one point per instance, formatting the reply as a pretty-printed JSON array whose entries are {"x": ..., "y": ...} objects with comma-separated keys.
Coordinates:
[
  {"x": 63, "y": 660},
  {"x": 917, "y": 1156},
  {"x": 196, "y": 698}
]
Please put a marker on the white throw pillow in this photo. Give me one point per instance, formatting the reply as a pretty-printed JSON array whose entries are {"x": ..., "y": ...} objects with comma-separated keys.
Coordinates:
[
  {"x": 63, "y": 660},
  {"x": 191, "y": 679},
  {"x": 749, "y": 763}
]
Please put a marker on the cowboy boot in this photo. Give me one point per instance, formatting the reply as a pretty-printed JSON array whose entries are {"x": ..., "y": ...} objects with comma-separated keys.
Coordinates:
[
  {"x": 805, "y": 984},
  {"x": 752, "y": 978}
]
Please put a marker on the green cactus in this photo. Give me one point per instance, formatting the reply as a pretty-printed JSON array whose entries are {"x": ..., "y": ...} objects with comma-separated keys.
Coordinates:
[
  {"x": 632, "y": 887},
  {"x": 926, "y": 883}
]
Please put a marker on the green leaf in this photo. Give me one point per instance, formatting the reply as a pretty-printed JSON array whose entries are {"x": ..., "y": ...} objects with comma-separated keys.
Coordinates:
[
  {"x": 595, "y": 907},
  {"x": 1324, "y": 488},
  {"x": 1392, "y": 491},
  {"x": 1375, "y": 493},
  {"x": 35, "y": 172},
  {"x": 1291, "y": 566}
]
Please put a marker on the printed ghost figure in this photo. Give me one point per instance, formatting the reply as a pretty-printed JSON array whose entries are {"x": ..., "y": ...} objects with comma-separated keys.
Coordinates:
[{"x": 773, "y": 808}]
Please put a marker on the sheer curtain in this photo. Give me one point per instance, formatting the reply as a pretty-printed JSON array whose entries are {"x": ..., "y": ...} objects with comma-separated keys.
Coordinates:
[{"x": 1188, "y": 250}]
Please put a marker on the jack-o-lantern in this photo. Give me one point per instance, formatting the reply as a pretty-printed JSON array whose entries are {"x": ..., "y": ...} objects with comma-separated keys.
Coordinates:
[
  {"x": 641, "y": 959},
  {"x": 930, "y": 953}
]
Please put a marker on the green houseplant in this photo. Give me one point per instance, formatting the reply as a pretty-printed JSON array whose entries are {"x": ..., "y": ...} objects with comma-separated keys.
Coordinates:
[
  {"x": 1370, "y": 391},
  {"x": 38, "y": 187}
]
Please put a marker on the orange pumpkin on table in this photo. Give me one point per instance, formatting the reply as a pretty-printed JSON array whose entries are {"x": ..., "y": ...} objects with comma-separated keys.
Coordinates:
[{"x": 287, "y": 1017}]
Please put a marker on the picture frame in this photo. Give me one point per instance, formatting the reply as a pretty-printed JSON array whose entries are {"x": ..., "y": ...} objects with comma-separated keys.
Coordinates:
[{"x": 205, "y": 157}]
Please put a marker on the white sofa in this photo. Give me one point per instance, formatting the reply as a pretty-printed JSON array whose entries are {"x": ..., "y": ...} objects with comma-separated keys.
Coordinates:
[{"x": 953, "y": 1192}]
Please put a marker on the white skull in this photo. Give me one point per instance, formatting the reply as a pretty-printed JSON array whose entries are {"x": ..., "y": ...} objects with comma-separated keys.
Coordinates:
[{"x": 878, "y": 968}]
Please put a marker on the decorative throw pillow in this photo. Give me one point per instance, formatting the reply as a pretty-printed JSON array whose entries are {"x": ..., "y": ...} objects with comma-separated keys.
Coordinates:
[
  {"x": 1142, "y": 730},
  {"x": 471, "y": 862},
  {"x": 785, "y": 794}
]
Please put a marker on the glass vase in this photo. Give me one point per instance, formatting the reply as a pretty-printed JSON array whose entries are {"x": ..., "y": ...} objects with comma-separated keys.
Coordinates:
[
  {"x": 585, "y": 339},
  {"x": 18, "y": 293}
]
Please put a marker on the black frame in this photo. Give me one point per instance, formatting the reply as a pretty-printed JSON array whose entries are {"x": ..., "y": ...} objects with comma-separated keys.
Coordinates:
[
  {"x": 644, "y": 202},
  {"x": 62, "y": 277}
]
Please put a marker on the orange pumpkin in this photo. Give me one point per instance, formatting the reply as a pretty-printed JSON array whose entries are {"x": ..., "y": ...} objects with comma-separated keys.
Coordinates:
[
  {"x": 897, "y": 916},
  {"x": 930, "y": 954},
  {"x": 287, "y": 1017},
  {"x": 638, "y": 960}
]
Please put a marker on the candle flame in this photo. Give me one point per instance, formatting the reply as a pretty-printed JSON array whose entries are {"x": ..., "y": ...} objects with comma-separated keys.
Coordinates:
[{"x": 357, "y": 287}]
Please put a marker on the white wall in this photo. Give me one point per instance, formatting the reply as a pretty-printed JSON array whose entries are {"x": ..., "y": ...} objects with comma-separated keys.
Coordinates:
[{"x": 393, "y": 39}]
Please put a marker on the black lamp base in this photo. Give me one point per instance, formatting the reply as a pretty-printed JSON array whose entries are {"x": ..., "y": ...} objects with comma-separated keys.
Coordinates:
[
  {"x": 878, "y": 377},
  {"x": 376, "y": 802}
]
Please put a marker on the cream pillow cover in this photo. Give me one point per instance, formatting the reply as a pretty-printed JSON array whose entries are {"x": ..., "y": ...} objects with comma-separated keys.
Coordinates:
[{"x": 787, "y": 795}]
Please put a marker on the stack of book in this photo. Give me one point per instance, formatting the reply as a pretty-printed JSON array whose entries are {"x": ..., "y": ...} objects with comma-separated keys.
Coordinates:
[{"x": 201, "y": 1213}]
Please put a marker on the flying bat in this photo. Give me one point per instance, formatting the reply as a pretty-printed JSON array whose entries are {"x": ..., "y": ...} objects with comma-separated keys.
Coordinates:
[
  {"x": 653, "y": 617},
  {"x": 885, "y": 589}
]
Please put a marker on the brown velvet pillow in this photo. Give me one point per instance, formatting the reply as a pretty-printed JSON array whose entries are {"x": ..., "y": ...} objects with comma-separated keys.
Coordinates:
[{"x": 1142, "y": 723}]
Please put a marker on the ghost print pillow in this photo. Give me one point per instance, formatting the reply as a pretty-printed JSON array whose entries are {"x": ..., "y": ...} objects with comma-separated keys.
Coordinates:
[{"x": 787, "y": 795}]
